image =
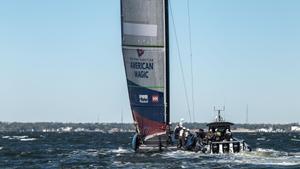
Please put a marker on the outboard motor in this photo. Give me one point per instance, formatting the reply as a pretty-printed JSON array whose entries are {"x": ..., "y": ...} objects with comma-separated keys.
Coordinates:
[
  {"x": 236, "y": 147},
  {"x": 215, "y": 148},
  {"x": 226, "y": 148}
]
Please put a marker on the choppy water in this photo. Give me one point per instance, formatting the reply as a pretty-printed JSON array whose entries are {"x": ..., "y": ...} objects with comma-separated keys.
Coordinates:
[{"x": 100, "y": 150}]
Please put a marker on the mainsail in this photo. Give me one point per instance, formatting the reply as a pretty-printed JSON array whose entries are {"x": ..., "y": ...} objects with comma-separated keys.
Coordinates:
[{"x": 145, "y": 54}]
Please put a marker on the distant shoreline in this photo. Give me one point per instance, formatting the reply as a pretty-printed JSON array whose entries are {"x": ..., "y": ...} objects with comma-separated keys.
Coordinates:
[{"x": 129, "y": 127}]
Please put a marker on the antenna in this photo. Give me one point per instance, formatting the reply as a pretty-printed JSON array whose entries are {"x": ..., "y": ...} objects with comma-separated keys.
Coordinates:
[
  {"x": 97, "y": 119},
  {"x": 219, "y": 109},
  {"x": 247, "y": 114},
  {"x": 122, "y": 116}
]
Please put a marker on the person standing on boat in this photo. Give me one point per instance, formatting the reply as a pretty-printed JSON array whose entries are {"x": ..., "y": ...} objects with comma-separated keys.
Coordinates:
[
  {"x": 210, "y": 136},
  {"x": 179, "y": 133},
  {"x": 228, "y": 135},
  {"x": 182, "y": 137},
  {"x": 178, "y": 128},
  {"x": 218, "y": 135}
]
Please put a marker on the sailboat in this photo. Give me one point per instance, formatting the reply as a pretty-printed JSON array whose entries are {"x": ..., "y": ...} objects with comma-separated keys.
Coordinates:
[{"x": 145, "y": 47}]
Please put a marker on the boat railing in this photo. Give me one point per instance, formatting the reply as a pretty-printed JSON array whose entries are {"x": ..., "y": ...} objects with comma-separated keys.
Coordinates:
[{"x": 224, "y": 142}]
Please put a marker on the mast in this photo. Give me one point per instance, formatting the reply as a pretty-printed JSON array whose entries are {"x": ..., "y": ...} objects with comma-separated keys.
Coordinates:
[{"x": 167, "y": 62}]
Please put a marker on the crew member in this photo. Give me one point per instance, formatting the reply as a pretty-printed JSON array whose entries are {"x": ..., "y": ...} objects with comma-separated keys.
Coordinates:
[
  {"x": 228, "y": 135},
  {"x": 178, "y": 128},
  {"x": 179, "y": 133}
]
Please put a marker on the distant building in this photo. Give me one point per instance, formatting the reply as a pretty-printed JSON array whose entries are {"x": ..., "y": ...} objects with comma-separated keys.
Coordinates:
[
  {"x": 242, "y": 130},
  {"x": 64, "y": 129},
  {"x": 295, "y": 128},
  {"x": 270, "y": 130},
  {"x": 80, "y": 130},
  {"x": 264, "y": 130}
]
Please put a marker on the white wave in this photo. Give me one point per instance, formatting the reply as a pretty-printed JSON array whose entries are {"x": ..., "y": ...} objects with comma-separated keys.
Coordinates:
[
  {"x": 19, "y": 137},
  {"x": 120, "y": 150},
  {"x": 27, "y": 139},
  {"x": 293, "y": 139},
  {"x": 265, "y": 150},
  {"x": 179, "y": 154},
  {"x": 297, "y": 154},
  {"x": 83, "y": 153},
  {"x": 122, "y": 164},
  {"x": 14, "y": 137},
  {"x": 261, "y": 161},
  {"x": 261, "y": 139},
  {"x": 1, "y": 148},
  {"x": 92, "y": 152},
  {"x": 268, "y": 157},
  {"x": 265, "y": 153},
  {"x": 258, "y": 157}
]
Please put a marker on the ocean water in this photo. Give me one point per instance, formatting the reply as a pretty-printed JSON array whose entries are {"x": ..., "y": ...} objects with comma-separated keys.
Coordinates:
[{"x": 103, "y": 150}]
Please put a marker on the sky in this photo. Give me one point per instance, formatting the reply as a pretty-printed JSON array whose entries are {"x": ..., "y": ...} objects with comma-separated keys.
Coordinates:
[{"x": 61, "y": 61}]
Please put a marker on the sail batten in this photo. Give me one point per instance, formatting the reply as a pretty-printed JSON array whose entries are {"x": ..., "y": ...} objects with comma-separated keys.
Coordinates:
[{"x": 144, "y": 50}]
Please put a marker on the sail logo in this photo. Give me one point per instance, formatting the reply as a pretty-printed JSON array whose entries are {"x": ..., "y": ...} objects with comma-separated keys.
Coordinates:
[
  {"x": 143, "y": 99},
  {"x": 155, "y": 99},
  {"x": 140, "y": 52},
  {"x": 141, "y": 69}
]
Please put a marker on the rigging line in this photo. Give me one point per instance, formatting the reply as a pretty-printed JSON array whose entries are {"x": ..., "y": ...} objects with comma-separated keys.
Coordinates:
[
  {"x": 180, "y": 63},
  {"x": 191, "y": 59}
]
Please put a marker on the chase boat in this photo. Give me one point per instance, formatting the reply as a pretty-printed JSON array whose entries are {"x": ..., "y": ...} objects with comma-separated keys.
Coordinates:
[{"x": 219, "y": 139}]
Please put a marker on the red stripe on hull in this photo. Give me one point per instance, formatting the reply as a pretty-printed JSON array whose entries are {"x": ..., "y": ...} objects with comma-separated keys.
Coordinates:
[{"x": 148, "y": 127}]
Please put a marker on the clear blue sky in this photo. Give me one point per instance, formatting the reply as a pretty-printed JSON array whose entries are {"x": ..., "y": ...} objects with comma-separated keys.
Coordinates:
[{"x": 61, "y": 60}]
